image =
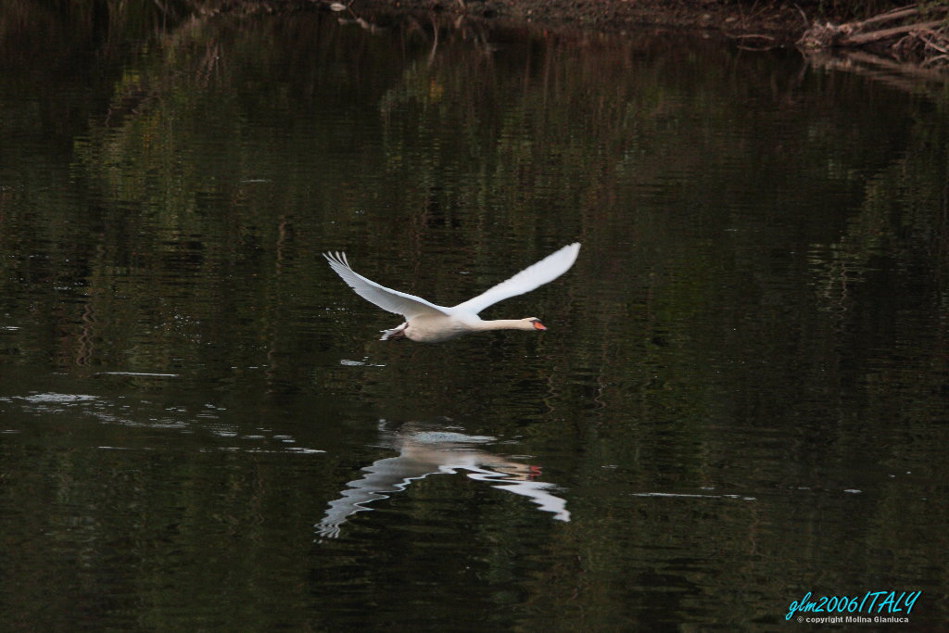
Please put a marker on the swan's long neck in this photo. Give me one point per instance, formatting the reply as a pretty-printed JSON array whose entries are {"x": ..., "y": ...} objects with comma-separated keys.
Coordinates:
[{"x": 506, "y": 324}]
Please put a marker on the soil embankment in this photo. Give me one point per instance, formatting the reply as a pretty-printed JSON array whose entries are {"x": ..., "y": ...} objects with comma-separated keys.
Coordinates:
[{"x": 778, "y": 22}]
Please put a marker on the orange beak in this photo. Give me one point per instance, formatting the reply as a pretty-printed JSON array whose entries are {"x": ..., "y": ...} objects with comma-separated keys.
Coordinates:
[{"x": 539, "y": 326}]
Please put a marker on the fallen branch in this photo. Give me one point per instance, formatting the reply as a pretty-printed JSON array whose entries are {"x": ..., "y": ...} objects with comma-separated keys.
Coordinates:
[
  {"x": 889, "y": 16},
  {"x": 910, "y": 30},
  {"x": 884, "y": 34},
  {"x": 933, "y": 41}
]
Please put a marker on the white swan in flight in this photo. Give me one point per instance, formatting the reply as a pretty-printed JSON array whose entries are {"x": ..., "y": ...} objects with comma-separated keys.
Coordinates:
[{"x": 427, "y": 322}]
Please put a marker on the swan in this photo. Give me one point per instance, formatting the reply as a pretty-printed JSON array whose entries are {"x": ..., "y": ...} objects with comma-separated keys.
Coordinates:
[{"x": 430, "y": 323}]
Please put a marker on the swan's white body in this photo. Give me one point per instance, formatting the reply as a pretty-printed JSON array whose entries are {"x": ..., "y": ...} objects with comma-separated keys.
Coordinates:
[{"x": 429, "y": 323}]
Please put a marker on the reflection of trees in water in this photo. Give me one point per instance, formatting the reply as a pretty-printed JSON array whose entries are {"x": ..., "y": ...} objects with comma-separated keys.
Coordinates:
[
  {"x": 765, "y": 264},
  {"x": 233, "y": 147}
]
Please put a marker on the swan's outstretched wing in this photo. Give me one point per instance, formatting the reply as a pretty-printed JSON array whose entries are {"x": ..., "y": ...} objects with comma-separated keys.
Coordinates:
[
  {"x": 402, "y": 303},
  {"x": 544, "y": 271}
]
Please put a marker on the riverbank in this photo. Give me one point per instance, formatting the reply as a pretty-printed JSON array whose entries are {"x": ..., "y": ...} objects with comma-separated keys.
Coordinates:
[
  {"x": 775, "y": 23},
  {"x": 914, "y": 37}
]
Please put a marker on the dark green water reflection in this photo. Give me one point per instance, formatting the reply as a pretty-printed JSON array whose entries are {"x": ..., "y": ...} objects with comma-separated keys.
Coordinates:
[{"x": 741, "y": 397}]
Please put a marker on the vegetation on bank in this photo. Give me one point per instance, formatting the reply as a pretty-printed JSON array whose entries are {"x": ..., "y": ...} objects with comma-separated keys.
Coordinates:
[{"x": 891, "y": 29}]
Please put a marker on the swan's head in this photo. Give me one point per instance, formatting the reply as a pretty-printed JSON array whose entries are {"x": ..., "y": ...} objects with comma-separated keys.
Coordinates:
[{"x": 533, "y": 323}]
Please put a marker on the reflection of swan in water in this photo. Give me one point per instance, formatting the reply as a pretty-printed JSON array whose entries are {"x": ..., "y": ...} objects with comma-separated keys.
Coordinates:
[{"x": 427, "y": 451}]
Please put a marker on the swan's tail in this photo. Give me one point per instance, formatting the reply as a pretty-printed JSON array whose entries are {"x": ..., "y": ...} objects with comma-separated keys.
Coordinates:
[{"x": 394, "y": 334}]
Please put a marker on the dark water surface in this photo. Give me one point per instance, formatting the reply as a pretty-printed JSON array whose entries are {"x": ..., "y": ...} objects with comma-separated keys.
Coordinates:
[{"x": 741, "y": 398}]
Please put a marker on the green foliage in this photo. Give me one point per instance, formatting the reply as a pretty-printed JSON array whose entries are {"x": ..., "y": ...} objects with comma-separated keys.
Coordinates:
[{"x": 759, "y": 306}]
